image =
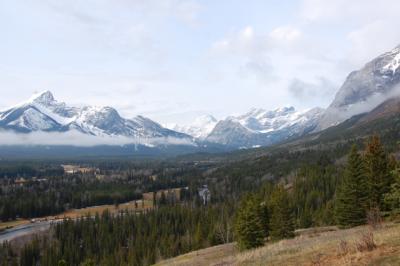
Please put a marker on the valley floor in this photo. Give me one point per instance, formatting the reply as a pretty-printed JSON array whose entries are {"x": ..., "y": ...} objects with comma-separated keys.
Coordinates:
[
  {"x": 319, "y": 246},
  {"x": 14, "y": 229}
]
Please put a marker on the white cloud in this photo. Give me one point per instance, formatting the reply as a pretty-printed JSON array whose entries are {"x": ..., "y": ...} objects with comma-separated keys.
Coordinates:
[
  {"x": 372, "y": 40},
  {"x": 260, "y": 68},
  {"x": 354, "y": 11},
  {"x": 75, "y": 138},
  {"x": 371, "y": 26},
  {"x": 248, "y": 42},
  {"x": 242, "y": 43},
  {"x": 188, "y": 11},
  {"x": 285, "y": 34},
  {"x": 321, "y": 89},
  {"x": 96, "y": 11},
  {"x": 253, "y": 50},
  {"x": 321, "y": 9}
]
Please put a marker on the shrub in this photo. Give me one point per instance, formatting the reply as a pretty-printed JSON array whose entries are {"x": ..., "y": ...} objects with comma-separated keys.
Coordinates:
[
  {"x": 366, "y": 243},
  {"x": 343, "y": 248}
]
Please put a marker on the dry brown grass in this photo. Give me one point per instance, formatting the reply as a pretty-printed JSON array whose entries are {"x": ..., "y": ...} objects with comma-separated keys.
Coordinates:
[
  {"x": 76, "y": 213},
  {"x": 344, "y": 248},
  {"x": 10, "y": 224},
  {"x": 367, "y": 242},
  {"x": 209, "y": 256},
  {"x": 311, "y": 247},
  {"x": 129, "y": 206}
]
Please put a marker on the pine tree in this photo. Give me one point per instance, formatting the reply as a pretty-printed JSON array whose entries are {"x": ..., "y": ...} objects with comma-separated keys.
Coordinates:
[
  {"x": 281, "y": 221},
  {"x": 62, "y": 263},
  {"x": 350, "y": 208},
  {"x": 250, "y": 223},
  {"x": 392, "y": 198},
  {"x": 377, "y": 171},
  {"x": 30, "y": 253},
  {"x": 88, "y": 262},
  {"x": 198, "y": 236}
]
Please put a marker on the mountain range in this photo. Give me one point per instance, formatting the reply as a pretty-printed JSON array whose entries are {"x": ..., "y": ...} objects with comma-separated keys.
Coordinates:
[
  {"x": 260, "y": 127},
  {"x": 362, "y": 91},
  {"x": 45, "y": 114}
]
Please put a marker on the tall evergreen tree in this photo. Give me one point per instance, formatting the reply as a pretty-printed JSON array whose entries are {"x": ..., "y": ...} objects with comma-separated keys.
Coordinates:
[
  {"x": 377, "y": 171},
  {"x": 350, "y": 208},
  {"x": 62, "y": 263},
  {"x": 250, "y": 223},
  {"x": 281, "y": 221},
  {"x": 88, "y": 262},
  {"x": 392, "y": 198}
]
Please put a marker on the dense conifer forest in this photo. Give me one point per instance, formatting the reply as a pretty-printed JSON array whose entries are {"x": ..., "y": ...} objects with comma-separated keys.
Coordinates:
[{"x": 248, "y": 205}]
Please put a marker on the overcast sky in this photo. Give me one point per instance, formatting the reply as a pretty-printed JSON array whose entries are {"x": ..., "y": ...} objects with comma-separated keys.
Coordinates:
[{"x": 172, "y": 60}]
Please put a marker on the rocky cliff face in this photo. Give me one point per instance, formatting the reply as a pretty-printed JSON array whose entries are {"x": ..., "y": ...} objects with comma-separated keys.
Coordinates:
[{"x": 364, "y": 89}]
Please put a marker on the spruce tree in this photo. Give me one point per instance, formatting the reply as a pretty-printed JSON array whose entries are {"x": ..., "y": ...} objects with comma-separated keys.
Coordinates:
[
  {"x": 281, "y": 218},
  {"x": 250, "y": 223},
  {"x": 350, "y": 207},
  {"x": 88, "y": 262},
  {"x": 377, "y": 171},
  {"x": 392, "y": 198},
  {"x": 62, "y": 263}
]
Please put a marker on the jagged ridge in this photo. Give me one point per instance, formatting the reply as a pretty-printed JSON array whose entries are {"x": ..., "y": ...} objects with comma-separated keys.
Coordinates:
[{"x": 43, "y": 113}]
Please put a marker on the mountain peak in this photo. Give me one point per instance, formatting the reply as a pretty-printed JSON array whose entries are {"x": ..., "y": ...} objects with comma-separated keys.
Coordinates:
[
  {"x": 255, "y": 111},
  {"x": 44, "y": 97},
  {"x": 394, "y": 60},
  {"x": 365, "y": 89},
  {"x": 199, "y": 128},
  {"x": 204, "y": 119},
  {"x": 43, "y": 113},
  {"x": 285, "y": 109}
]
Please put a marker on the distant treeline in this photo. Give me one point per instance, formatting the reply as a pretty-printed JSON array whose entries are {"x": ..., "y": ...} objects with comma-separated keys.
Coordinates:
[{"x": 28, "y": 170}]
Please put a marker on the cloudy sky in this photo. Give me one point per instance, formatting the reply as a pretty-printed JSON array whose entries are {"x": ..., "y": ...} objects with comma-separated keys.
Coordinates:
[{"x": 172, "y": 60}]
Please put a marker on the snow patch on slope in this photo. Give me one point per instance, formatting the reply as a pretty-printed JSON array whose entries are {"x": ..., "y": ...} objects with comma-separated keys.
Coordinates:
[
  {"x": 395, "y": 63},
  {"x": 33, "y": 119},
  {"x": 199, "y": 129},
  {"x": 262, "y": 121}
]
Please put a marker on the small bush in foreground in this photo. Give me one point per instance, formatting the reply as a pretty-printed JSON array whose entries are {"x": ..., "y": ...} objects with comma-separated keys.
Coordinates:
[
  {"x": 366, "y": 243},
  {"x": 343, "y": 248}
]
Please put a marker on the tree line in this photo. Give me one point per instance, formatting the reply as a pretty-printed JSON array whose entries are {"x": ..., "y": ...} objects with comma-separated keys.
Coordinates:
[
  {"x": 126, "y": 239},
  {"x": 322, "y": 194}
]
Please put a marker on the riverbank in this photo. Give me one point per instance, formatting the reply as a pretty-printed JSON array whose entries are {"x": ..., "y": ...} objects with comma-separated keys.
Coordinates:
[{"x": 12, "y": 229}]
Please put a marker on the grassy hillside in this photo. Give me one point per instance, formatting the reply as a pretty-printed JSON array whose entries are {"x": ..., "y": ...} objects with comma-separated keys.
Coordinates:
[{"x": 316, "y": 246}]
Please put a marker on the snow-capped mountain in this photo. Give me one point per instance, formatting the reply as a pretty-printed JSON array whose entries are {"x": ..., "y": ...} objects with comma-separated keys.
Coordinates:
[
  {"x": 262, "y": 121},
  {"x": 199, "y": 129},
  {"x": 259, "y": 127},
  {"x": 365, "y": 89},
  {"x": 43, "y": 113}
]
